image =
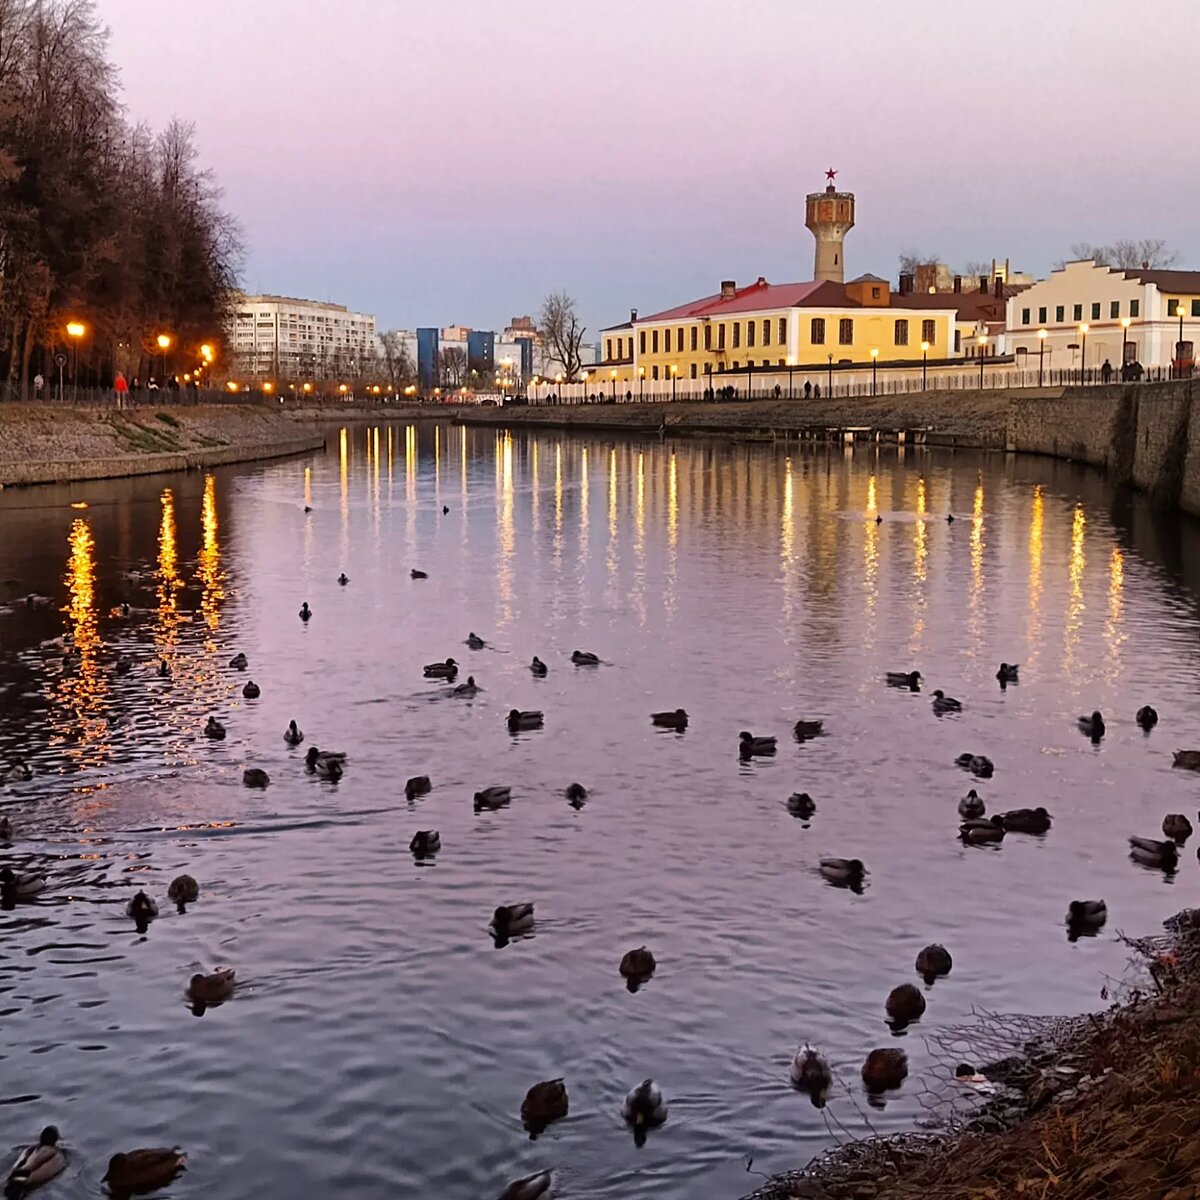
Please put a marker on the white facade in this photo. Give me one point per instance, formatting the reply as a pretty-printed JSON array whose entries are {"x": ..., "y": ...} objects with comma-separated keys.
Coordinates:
[
  {"x": 280, "y": 337},
  {"x": 1082, "y": 293}
]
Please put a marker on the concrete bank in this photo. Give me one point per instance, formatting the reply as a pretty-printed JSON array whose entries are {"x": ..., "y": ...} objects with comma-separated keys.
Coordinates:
[{"x": 44, "y": 444}]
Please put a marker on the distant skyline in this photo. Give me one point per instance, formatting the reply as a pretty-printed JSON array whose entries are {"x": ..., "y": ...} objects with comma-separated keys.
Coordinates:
[{"x": 451, "y": 164}]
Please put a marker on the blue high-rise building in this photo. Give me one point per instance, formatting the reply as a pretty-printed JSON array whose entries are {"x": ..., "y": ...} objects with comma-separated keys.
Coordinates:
[
  {"x": 427, "y": 359},
  {"x": 481, "y": 352}
]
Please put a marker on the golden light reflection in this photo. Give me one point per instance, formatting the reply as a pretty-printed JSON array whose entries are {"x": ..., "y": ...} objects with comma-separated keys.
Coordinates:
[
  {"x": 872, "y": 502},
  {"x": 787, "y": 547},
  {"x": 670, "y": 595},
  {"x": 1075, "y": 601},
  {"x": 612, "y": 515},
  {"x": 212, "y": 590},
  {"x": 558, "y": 503},
  {"x": 308, "y": 486},
  {"x": 584, "y": 506},
  {"x": 169, "y": 584},
  {"x": 508, "y": 537},
  {"x": 1114, "y": 633},
  {"x": 344, "y": 469},
  {"x": 534, "y": 493},
  {"x": 639, "y": 510},
  {"x": 871, "y": 550},
  {"x": 82, "y": 688},
  {"x": 976, "y": 563},
  {"x": 921, "y": 548},
  {"x": 1037, "y": 517},
  {"x": 375, "y": 476}
]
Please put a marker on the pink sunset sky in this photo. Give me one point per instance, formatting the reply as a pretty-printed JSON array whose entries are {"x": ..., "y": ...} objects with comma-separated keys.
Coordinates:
[{"x": 443, "y": 162}]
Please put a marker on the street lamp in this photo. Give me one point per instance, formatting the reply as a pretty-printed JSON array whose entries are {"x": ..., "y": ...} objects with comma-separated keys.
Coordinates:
[
  {"x": 674, "y": 376},
  {"x": 874, "y": 366},
  {"x": 924, "y": 362},
  {"x": 612, "y": 390},
  {"x": 1125, "y": 323},
  {"x": 76, "y": 330},
  {"x": 830, "y": 389},
  {"x": 1083, "y": 332},
  {"x": 1042, "y": 335},
  {"x": 981, "y": 342},
  {"x": 164, "y": 344},
  {"x": 791, "y": 369},
  {"x": 641, "y": 384},
  {"x": 1179, "y": 344},
  {"x": 585, "y": 379}
]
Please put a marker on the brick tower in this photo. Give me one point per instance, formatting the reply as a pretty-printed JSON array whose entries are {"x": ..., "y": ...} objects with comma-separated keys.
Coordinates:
[{"x": 829, "y": 215}]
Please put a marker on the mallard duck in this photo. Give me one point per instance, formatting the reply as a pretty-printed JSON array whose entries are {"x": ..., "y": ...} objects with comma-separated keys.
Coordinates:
[
  {"x": 1088, "y": 913},
  {"x": 212, "y": 989},
  {"x": 670, "y": 720},
  {"x": 518, "y": 720},
  {"x": 255, "y": 777},
  {"x": 239, "y": 662},
  {"x": 801, "y": 804},
  {"x": 418, "y": 785},
  {"x": 251, "y": 691},
  {"x": 141, "y": 908},
  {"x": 803, "y": 730},
  {"x": 441, "y": 670},
  {"x": 343, "y": 579},
  {"x": 305, "y": 612},
  {"x": 492, "y": 798},
  {"x": 141, "y": 1171},
  {"x": 1177, "y": 827},
  {"x": 531, "y": 1187},
  {"x": 124, "y": 665},
  {"x": 17, "y": 771},
  {"x": 585, "y": 658},
  {"x": 905, "y": 1004},
  {"x": 329, "y": 769},
  {"x": 1008, "y": 672},
  {"x": 543, "y": 1103},
  {"x": 1153, "y": 853},
  {"x": 885, "y": 1069},
  {"x": 314, "y": 758},
  {"x": 538, "y": 667},
  {"x": 750, "y": 746},
  {"x": 6, "y": 830},
  {"x": 982, "y": 831},
  {"x": 293, "y": 735},
  {"x": 1026, "y": 820},
  {"x": 971, "y": 806},
  {"x": 184, "y": 890},
  {"x": 1188, "y": 759},
  {"x": 418, "y": 574},
  {"x": 466, "y": 689},
  {"x": 644, "y": 1107},
  {"x": 846, "y": 872},
  {"x": 904, "y": 679},
  {"x": 23, "y": 885},
  {"x": 426, "y": 841},
  {"x": 1146, "y": 717},
  {"x": 576, "y": 793},
  {"x": 810, "y": 1074},
  {"x": 214, "y": 729},
  {"x": 978, "y": 764},
  {"x": 36, "y": 1165},
  {"x": 1092, "y": 726},
  {"x": 638, "y": 964},
  {"x": 509, "y": 919},
  {"x": 945, "y": 704},
  {"x": 933, "y": 961},
  {"x": 474, "y": 641}
]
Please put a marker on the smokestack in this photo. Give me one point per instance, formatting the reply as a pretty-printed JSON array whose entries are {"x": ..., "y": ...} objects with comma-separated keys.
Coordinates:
[
  {"x": 958, "y": 285},
  {"x": 998, "y": 290},
  {"x": 983, "y": 284},
  {"x": 632, "y": 315},
  {"x": 906, "y": 283},
  {"x": 728, "y": 289}
]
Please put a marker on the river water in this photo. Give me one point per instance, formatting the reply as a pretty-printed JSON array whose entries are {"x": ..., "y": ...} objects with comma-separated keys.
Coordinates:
[{"x": 379, "y": 1043}]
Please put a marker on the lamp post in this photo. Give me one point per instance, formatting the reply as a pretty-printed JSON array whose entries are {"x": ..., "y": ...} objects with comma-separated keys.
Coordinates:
[
  {"x": 1125, "y": 323},
  {"x": 1083, "y": 332},
  {"x": 585, "y": 379},
  {"x": 674, "y": 376},
  {"x": 924, "y": 362},
  {"x": 76, "y": 330},
  {"x": 830, "y": 390},
  {"x": 558, "y": 381},
  {"x": 791, "y": 369},
  {"x": 612, "y": 379},
  {"x": 641, "y": 384},
  {"x": 1042, "y": 335},
  {"x": 874, "y": 370},
  {"x": 1179, "y": 343},
  {"x": 164, "y": 344},
  {"x": 981, "y": 342}
]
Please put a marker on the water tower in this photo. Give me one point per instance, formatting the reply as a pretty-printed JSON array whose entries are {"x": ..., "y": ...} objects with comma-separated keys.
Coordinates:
[{"x": 829, "y": 215}]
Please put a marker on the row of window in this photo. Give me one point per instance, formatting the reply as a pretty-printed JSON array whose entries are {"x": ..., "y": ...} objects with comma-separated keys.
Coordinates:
[
  {"x": 1173, "y": 307},
  {"x": 1060, "y": 312}
]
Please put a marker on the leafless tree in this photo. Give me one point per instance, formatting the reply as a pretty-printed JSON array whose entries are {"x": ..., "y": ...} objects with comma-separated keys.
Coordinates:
[
  {"x": 397, "y": 362},
  {"x": 1125, "y": 254},
  {"x": 911, "y": 259},
  {"x": 976, "y": 268},
  {"x": 562, "y": 334},
  {"x": 452, "y": 366}
]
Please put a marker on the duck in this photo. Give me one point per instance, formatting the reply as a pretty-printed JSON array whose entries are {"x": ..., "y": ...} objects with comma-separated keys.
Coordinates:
[
  {"x": 538, "y": 667},
  {"x": 1026, "y": 820},
  {"x": 418, "y": 785},
  {"x": 978, "y": 764},
  {"x": 677, "y": 720},
  {"x": 972, "y": 806},
  {"x": 251, "y": 691},
  {"x": 466, "y": 689},
  {"x": 933, "y": 961},
  {"x": 509, "y": 919},
  {"x": 945, "y": 704},
  {"x": 239, "y": 662},
  {"x": 445, "y": 510},
  {"x": 329, "y": 769},
  {"x": 1146, "y": 717},
  {"x": 214, "y": 729},
  {"x": 576, "y": 793},
  {"x": 1177, "y": 827},
  {"x": 803, "y": 730},
  {"x": 539, "y": 1186},
  {"x": 124, "y": 665},
  {"x": 885, "y": 1069},
  {"x": 1088, "y": 914},
  {"x": 904, "y": 679},
  {"x": 255, "y": 777},
  {"x": 184, "y": 890},
  {"x": 141, "y": 908},
  {"x": 212, "y": 989},
  {"x": 492, "y": 798},
  {"x": 905, "y": 1004},
  {"x": 17, "y": 771},
  {"x": 164, "y": 668},
  {"x": 845, "y": 872},
  {"x": 140, "y": 1171},
  {"x": 305, "y": 612},
  {"x": 314, "y": 757},
  {"x": 474, "y": 641},
  {"x": 750, "y": 746},
  {"x": 543, "y": 1103},
  {"x": 1092, "y": 726},
  {"x": 343, "y": 579},
  {"x": 36, "y": 1165},
  {"x": 810, "y": 1074},
  {"x": 426, "y": 841},
  {"x": 585, "y": 658},
  {"x": 293, "y": 735},
  {"x": 1151, "y": 853},
  {"x": 801, "y": 804},
  {"x": 23, "y": 885},
  {"x": 878, "y": 519},
  {"x": 1008, "y": 673},
  {"x": 982, "y": 831},
  {"x": 518, "y": 720},
  {"x": 1189, "y": 760},
  {"x": 6, "y": 829},
  {"x": 441, "y": 670},
  {"x": 949, "y": 518},
  {"x": 644, "y": 1108},
  {"x": 638, "y": 964},
  {"x": 418, "y": 574}
]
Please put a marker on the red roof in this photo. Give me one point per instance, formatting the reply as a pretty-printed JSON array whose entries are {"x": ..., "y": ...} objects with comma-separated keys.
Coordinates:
[{"x": 747, "y": 299}]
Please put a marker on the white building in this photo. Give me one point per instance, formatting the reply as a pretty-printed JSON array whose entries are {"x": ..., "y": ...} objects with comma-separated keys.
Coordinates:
[
  {"x": 1088, "y": 307},
  {"x": 278, "y": 337}
]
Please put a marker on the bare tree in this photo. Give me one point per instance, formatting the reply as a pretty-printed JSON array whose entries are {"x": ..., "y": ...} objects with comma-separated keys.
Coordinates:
[
  {"x": 976, "y": 268},
  {"x": 1125, "y": 254},
  {"x": 911, "y": 259},
  {"x": 452, "y": 366},
  {"x": 562, "y": 334},
  {"x": 397, "y": 362}
]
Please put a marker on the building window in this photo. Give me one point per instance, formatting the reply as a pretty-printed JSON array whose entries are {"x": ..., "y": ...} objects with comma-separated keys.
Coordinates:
[
  {"x": 1060, "y": 313},
  {"x": 958, "y": 341},
  {"x": 1196, "y": 308},
  {"x": 693, "y": 364},
  {"x": 1024, "y": 316},
  {"x": 737, "y": 366},
  {"x": 1134, "y": 307},
  {"x": 783, "y": 331},
  {"x": 708, "y": 337},
  {"x": 679, "y": 339},
  {"x": 846, "y": 331},
  {"x": 1078, "y": 312},
  {"x": 610, "y": 349},
  {"x": 693, "y": 337},
  {"x": 1114, "y": 309},
  {"x": 766, "y": 332},
  {"x": 642, "y": 339},
  {"x": 667, "y": 341},
  {"x": 874, "y": 293},
  {"x": 721, "y": 336},
  {"x": 737, "y": 334},
  {"x": 654, "y": 372},
  {"x": 817, "y": 331},
  {"x": 1096, "y": 311},
  {"x": 929, "y": 331},
  {"x": 1042, "y": 315},
  {"x": 751, "y": 330},
  {"x": 1172, "y": 305},
  {"x": 654, "y": 340},
  {"x": 901, "y": 332}
]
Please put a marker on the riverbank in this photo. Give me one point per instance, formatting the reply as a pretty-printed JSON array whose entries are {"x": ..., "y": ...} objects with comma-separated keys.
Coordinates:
[
  {"x": 1104, "y": 1106},
  {"x": 51, "y": 444}
]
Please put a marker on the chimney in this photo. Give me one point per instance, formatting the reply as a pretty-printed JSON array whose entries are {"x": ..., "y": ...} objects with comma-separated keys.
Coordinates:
[
  {"x": 632, "y": 315},
  {"x": 983, "y": 284},
  {"x": 998, "y": 290},
  {"x": 906, "y": 283},
  {"x": 958, "y": 285},
  {"x": 728, "y": 289},
  {"x": 1145, "y": 264},
  {"x": 761, "y": 282}
]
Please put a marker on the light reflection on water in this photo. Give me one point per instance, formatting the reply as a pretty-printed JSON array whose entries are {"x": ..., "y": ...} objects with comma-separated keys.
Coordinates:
[{"x": 749, "y": 584}]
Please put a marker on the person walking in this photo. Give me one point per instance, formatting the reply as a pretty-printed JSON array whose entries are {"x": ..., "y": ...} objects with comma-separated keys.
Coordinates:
[
  {"x": 1106, "y": 372},
  {"x": 121, "y": 388},
  {"x": 808, "y": 389},
  {"x": 39, "y": 385}
]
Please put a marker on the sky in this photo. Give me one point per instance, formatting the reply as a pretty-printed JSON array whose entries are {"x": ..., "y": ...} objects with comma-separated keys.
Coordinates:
[{"x": 453, "y": 161}]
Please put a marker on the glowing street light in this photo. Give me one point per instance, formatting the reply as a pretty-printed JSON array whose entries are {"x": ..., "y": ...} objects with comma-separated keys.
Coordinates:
[
  {"x": 307, "y": 388},
  {"x": 1125, "y": 323},
  {"x": 268, "y": 387},
  {"x": 924, "y": 361},
  {"x": 674, "y": 377},
  {"x": 76, "y": 330},
  {"x": 1042, "y": 335},
  {"x": 613, "y": 385},
  {"x": 232, "y": 385},
  {"x": 1083, "y": 332},
  {"x": 342, "y": 389},
  {"x": 641, "y": 383},
  {"x": 206, "y": 353}
]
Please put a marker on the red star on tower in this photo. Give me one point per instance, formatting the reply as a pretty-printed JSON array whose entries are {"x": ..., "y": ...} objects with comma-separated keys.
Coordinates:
[{"x": 831, "y": 174}]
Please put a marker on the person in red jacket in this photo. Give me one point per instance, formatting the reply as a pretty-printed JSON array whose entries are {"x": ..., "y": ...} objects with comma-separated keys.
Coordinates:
[{"x": 121, "y": 387}]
